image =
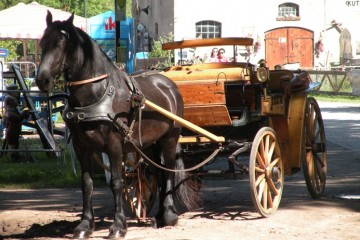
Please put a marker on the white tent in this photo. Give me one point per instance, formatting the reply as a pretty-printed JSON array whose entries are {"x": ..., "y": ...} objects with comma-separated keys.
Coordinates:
[{"x": 27, "y": 21}]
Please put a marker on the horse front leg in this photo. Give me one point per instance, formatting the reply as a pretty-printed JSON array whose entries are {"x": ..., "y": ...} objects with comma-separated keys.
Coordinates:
[
  {"x": 87, "y": 224},
  {"x": 119, "y": 226}
]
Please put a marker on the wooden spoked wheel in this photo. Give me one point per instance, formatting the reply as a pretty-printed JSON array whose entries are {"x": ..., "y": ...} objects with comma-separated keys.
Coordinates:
[
  {"x": 314, "y": 162},
  {"x": 266, "y": 172},
  {"x": 140, "y": 186}
]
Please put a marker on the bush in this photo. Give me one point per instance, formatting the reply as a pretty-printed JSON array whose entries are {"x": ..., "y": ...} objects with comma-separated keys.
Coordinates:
[{"x": 157, "y": 52}]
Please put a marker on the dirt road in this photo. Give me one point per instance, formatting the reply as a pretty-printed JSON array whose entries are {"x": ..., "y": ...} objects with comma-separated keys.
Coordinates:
[{"x": 227, "y": 211}]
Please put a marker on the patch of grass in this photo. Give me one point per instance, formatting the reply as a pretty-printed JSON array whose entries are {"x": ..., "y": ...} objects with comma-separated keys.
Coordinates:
[
  {"x": 41, "y": 171},
  {"x": 335, "y": 98},
  {"x": 38, "y": 173}
]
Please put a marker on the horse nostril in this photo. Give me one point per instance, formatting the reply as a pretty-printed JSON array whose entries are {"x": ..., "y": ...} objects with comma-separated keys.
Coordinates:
[
  {"x": 47, "y": 81},
  {"x": 42, "y": 84}
]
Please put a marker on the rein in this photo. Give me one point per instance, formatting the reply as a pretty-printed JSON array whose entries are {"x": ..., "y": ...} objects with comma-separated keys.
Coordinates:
[
  {"x": 202, "y": 163},
  {"x": 68, "y": 84}
]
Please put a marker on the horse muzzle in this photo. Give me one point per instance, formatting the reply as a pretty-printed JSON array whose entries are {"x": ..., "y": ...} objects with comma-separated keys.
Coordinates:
[{"x": 45, "y": 84}]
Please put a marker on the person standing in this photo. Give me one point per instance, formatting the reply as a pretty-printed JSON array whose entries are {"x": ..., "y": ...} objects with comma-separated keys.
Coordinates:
[{"x": 14, "y": 120}]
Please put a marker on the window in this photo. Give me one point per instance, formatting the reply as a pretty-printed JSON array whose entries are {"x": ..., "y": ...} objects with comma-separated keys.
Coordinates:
[
  {"x": 208, "y": 29},
  {"x": 288, "y": 12}
]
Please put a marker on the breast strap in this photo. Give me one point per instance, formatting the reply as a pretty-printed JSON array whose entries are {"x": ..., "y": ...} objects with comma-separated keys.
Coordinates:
[{"x": 98, "y": 111}]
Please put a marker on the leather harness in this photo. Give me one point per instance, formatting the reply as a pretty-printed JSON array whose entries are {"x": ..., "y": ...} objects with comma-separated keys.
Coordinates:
[{"x": 102, "y": 110}]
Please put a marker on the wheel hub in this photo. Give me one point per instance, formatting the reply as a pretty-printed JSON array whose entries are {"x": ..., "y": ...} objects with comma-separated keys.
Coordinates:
[{"x": 273, "y": 174}]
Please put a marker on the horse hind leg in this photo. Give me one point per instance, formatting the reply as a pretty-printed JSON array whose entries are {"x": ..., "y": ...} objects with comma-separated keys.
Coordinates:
[
  {"x": 170, "y": 182},
  {"x": 167, "y": 214}
]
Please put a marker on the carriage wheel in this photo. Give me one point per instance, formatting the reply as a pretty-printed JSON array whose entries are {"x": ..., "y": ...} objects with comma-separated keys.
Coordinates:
[
  {"x": 266, "y": 172},
  {"x": 314, "y": 162},
  {"x": 140, "y": 186}
]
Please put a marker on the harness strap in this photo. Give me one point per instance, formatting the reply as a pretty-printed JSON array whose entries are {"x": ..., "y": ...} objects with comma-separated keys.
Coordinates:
[
  {"x": 216, "y": 151},
  {"x": 127, "y": 134},
  {"x": 86, "y": 80},
  {"x": 137, "y": 102}
]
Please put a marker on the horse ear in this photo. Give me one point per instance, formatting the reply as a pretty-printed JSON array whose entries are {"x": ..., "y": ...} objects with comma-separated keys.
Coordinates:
[
  {"x": 71, "y": 19},
  {"x": 48, "y": 18}
]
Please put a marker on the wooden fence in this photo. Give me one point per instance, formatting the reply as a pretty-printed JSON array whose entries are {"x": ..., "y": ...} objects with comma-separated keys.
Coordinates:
[{"x": 334, "y": 81}]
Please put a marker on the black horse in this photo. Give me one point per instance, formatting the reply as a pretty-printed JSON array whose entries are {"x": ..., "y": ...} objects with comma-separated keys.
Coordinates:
[{"x": 102, "y": 115}]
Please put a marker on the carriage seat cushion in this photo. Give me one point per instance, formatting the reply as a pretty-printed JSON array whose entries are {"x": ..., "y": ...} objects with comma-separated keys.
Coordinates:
[
  {"x": 220, "y": 74},
  {"x": 278, "y": 79}
]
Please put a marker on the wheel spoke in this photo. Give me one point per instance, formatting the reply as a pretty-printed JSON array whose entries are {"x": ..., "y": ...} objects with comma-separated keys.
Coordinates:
[
  {"x": 311, "y": 120},
  {"x": 274, "y": 163},
  {"x": 265, "y": 197},
  {"x": 260, "y": 160},
  {"x": 271, "y": 151},
  {"x": 259, "y": 170},
  {"x": 130, "y": 163},
  {"x": 270, "y": 200},
  {"x": 259, "y": 179},
  {"x": 262, "y": 151},
  {"x": 273, "y": 187},
  {"x": 261, "y": 189},
  {"x": 309, "y": 159},
  {"x": 133, "y": 183},
  {"x": 317, "y": 134},
  {"x": 266, "y": 150},
  {"x": 319, "y": 167}
]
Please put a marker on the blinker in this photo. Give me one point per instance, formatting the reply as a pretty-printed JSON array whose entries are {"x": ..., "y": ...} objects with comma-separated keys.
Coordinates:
[{"x": 65, "y": 33}]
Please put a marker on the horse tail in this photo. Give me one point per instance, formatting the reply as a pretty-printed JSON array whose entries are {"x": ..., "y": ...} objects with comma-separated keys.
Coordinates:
[{"x": 185, "y": 186}]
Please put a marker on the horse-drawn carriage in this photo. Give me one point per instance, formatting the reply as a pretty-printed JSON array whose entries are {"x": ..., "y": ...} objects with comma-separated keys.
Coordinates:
[
  {"x": 195, "y": 112},
  {"x": 243, "y": 108}
]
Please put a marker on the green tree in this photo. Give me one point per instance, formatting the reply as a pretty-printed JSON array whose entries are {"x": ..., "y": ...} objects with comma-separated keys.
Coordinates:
[
  {"x": 157, "y": 51},
  {"x": 12, "y": 46}
]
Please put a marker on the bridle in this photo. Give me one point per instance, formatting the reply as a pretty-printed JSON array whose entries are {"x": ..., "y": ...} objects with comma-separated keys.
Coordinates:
[{"x": 81, "y": 82}]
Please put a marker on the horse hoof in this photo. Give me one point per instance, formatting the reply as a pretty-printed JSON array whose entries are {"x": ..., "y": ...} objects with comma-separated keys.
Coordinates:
[
  {"x": 116, "y": 234},
  {"x": 82, "y": 234},
  {"x": 155, "y": 223},
  {"x": 170, "y": 217}
]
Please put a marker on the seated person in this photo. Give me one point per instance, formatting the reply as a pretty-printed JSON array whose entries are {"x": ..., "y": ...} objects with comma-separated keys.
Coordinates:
[
  {"x": 213, "y": 55},
  {"x": 221, "y": 57}
]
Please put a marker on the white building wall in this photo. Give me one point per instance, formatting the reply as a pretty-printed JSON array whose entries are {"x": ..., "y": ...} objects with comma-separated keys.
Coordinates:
[{"x": 253, "y": 18}]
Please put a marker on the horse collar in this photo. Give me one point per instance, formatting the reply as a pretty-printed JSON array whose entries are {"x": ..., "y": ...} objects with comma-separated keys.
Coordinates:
[{"x": 95, "y": 112}]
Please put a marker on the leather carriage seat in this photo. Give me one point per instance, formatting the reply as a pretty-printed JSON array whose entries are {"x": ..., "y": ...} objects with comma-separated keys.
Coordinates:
[{"x": 279, "y": 79}]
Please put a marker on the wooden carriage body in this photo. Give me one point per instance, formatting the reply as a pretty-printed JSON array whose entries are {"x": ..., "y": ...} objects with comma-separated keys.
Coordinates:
[{"x": 232, "y": 95}]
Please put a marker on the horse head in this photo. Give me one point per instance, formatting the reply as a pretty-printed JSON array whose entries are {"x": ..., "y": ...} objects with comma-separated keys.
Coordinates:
[{"x": 56, "y": 51}]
